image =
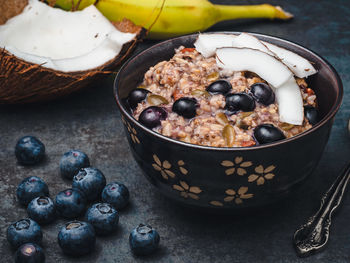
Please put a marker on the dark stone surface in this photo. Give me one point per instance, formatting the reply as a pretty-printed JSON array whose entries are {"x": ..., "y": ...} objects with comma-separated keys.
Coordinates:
[{"x": 90, "y": 121}]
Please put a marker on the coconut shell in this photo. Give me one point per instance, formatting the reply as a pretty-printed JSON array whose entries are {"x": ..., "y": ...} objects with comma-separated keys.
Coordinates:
[{"x": 25, "y": 82}]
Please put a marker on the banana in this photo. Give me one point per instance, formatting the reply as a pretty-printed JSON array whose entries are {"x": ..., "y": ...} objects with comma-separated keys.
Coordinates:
[{"x": 168, "y": 18}]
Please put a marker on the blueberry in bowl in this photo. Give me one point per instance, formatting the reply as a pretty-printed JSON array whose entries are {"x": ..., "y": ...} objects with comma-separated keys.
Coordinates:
[
  {"x": 30, "y": 188},
  {"x": 29, "y": 253},
  {"x": 236, "y": 152},
  {"x": 90, "y": 181},
  {"x": 116, "y": 194},
  {"x": 70, "y": 203},
  {"x": 72, "y": 161},
  {"x": 103, "y": 217},
  {"x": 42, "y": 210},
  {"x": 29, "y": 150},
  {"x": 144, "y": 240},
  {"x": 77, "y": 238},
  {"x": 24, "y": 231}
]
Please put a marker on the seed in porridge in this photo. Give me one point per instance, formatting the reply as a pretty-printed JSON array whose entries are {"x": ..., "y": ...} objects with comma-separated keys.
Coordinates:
[
  {"x": 266, "y": 133},
  {"x": 219, "y": 87},
  {"x": 185, "y": 107},
  {"x": 228, "y": 133},
  {"x": 136, "y": 96},
  {"x": 156, "y": 100},
  {"x": 152, "y": 116},
  {"x": 221, "y": 118},
  {"x": 262, "y": 93},
  {"x": 286, "y": 126},
  {"x": 239, "y": 102},
  {"x": 311, "y": 114},
  {"x": 198, "y": 92}
]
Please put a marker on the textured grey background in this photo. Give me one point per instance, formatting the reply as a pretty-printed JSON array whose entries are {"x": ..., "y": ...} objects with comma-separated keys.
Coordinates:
[{"x": 90, "y": 121}]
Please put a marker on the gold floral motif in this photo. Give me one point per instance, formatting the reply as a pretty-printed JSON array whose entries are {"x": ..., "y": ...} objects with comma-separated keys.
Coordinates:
[
  {"x": 132, "y": 132},
  {"x": 163, "y": 168},
  {"x": 216, "y": 203},
  {"x": 237, "y": 166},
  {"x": 237, "y": 196},
  {"x": 183, "y": 170},
  {"x": 262, "y": 174},
  {"x": 123, "y": 120},
  {"x": 187, "y": 191}
]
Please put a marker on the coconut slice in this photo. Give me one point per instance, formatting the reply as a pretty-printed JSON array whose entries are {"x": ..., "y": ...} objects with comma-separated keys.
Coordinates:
[
  {"x": 249, "y": 41},
  {"x": 290, "y": 103},
  {"x": 246, "y": 59},
  {"x": 206, "y": 44},
  {"x": 47, "y": 52},
  {"x": 300, "y": 66}
]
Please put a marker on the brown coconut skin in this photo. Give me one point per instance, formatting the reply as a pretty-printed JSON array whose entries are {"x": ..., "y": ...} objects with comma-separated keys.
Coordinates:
[{"x": 24, "y": 82}]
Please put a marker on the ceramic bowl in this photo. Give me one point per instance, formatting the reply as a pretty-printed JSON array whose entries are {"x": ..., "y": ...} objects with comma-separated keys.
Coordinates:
[{"x": 227, "y": 178}]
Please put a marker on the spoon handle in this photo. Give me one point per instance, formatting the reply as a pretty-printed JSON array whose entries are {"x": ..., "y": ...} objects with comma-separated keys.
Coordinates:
[{"x": 313, "y": 236}]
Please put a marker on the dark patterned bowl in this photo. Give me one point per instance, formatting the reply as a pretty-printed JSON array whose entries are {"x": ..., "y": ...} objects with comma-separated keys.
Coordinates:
[{"x": 227, "y": 178}]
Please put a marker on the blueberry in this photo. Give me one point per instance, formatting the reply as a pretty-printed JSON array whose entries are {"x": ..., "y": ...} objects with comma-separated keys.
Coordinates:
[
  {"x": 116, "y": 194},
  {"x": 29, "y": 150},
  {"x": 29, "y": 253},
  {"x": 152, "y": 116},
  {"x": 266, "y": 133},
  {"x": 42, "y": 210},
  {"x": 311, "y": 114},
  {"x": 136, "y": 96},
  {"x": 72, "y": 161},
  {"x": 103, "y": 217},
  {"x": 24, "y": 231},
  {"x": 70, "y": 203},
  {"x": 185, "y": 107},
  {"x": 30, "y": 188},
  {"x": 144, "y": 240},
  {"x": 239, "y": 102},
  {"x": 219, "y": 87},
  {"x": 90, "y": 181},
  {"x": 262, "y": 93},
  {"x": 77, "y": 238}
]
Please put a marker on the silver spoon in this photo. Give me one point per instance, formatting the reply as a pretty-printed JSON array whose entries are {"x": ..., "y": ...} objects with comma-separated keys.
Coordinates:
[{"x": 313, "y": 236}]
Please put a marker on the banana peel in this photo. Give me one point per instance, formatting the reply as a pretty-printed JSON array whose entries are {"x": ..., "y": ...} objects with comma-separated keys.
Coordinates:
[{"x": 169, "y": 18}]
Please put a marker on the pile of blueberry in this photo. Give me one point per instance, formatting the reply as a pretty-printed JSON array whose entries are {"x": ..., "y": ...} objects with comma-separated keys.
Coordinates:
[
  {"x": 76, "y": 238},
  {"x": 260, "y": 92}
]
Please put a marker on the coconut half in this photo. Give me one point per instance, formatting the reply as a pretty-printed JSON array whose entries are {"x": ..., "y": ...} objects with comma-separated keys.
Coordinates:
[{"x": 47, "y": 52}]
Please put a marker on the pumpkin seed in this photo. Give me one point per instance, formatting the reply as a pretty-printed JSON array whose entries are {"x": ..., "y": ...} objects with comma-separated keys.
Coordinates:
[
  {"x": 246, "y": 114},
  {"x": 213, "y": 76},
  {"x": 198, "y": 92},
  {"x": 286, "y": 126},
  {"x": 221, "y": 118},
  {"x": 156, "y": 100},
  {"x": 229, "y": 135},
  {"x": 242, "y": 125}
]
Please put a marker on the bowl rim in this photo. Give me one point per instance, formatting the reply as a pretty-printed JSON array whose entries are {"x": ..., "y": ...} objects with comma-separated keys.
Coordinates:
[{"x": 329, "y": 115}]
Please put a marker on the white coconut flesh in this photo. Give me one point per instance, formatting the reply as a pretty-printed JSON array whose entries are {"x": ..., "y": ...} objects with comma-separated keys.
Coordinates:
[
  {"x": 290, "y": 103},
  {"x": 246, "y": 59},
  {"x": 206, "y": 44},
  {"x": 249, "y": 41},
  {"x": 300, "y": 66},
  {"x": 61, "y": 40}
]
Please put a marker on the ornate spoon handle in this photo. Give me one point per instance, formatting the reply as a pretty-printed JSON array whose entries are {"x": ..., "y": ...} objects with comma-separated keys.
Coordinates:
[{"x": 313, "y": 236}]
